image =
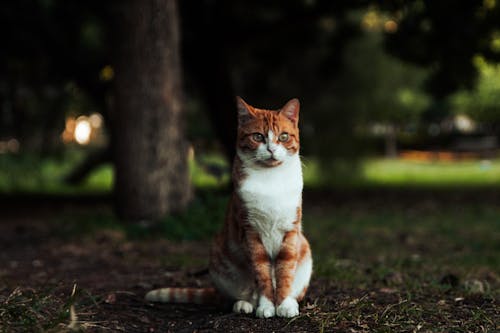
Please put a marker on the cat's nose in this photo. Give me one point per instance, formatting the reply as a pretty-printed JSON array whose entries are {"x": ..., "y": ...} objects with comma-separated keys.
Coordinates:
[{"x": 271, "y": 149}]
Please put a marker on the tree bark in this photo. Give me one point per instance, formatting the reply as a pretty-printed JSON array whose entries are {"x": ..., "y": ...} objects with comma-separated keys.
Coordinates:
[{"x": 149, "y": 150}]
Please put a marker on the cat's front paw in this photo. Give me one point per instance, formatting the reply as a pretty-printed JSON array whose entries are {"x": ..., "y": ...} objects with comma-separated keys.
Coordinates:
[
  {"x": 265, "y": 309},
  {"x": 242, "y": 307},
  {"x": 288, "y": 308}
]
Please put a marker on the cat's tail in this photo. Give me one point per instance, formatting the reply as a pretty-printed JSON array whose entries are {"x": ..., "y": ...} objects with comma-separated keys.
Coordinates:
[{"x": 184, "y": 295}]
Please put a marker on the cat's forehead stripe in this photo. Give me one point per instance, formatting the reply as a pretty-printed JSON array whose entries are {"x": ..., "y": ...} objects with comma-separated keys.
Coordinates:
[{"x": 272, "y": 121}]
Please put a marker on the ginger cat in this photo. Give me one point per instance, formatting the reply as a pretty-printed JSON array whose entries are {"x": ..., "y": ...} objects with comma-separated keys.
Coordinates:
[{"x": 260, "y": 259}]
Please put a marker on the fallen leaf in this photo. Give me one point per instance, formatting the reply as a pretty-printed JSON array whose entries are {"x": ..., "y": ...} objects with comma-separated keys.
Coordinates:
[{"x": 110, "y": 299}]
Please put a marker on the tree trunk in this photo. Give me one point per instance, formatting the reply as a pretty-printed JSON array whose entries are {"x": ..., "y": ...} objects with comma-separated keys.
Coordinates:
[{"x": 149, "y": 150}]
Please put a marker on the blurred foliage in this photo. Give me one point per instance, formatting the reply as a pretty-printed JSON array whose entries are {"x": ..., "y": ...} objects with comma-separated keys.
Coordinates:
[
  {"x": 444, "y": 36},
  {"x": 51, "y": 55},
  {"x": 379, "y": 87},
  {"x": 351, "y": 63},
  {"x": 483, "y": 102}
]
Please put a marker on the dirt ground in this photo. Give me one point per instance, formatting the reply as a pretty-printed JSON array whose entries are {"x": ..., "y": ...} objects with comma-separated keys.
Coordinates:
[{"x": 96, "y": 283}]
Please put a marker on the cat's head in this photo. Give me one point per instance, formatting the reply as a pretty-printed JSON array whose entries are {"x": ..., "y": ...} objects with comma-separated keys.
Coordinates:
[{"x": 267, "y": 138}]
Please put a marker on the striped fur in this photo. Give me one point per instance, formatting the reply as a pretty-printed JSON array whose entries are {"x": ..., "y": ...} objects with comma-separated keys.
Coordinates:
[
  {"x": 183, "y": 295},
  {"x": 260, "y": 259}
]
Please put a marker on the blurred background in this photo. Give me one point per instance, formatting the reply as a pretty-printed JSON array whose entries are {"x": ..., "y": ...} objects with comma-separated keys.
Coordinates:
[
  {"x": 117, "y": 133},
  {"x": 393, "y": 93}
]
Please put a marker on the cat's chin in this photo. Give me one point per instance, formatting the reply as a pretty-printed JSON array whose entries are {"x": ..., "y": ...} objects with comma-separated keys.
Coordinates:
[{"x": 270, "y": 163}]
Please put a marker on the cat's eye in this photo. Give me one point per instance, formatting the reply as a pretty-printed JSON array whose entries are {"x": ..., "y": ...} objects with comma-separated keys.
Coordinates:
[
  {"x": 283, "y": 137},
  {"x": 258, "y": 137}
]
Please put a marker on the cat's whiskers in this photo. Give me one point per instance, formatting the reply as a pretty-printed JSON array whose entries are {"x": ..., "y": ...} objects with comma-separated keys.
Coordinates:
[{"x": 303, "y": 161}]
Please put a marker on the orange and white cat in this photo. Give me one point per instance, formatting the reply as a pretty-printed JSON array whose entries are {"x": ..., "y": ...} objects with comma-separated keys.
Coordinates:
[{"x": 260, "y": 259}]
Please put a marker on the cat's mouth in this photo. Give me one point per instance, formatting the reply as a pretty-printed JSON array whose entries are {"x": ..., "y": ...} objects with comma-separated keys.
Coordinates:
[{"x": 270, "y": 162}]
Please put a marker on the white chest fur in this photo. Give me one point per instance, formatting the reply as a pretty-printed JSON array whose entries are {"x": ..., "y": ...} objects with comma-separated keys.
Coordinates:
[{"x": 271, "y": 197}]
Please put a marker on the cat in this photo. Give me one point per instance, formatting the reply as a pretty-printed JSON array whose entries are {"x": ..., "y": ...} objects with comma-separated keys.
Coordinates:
[{"x": 260, "y": 260}]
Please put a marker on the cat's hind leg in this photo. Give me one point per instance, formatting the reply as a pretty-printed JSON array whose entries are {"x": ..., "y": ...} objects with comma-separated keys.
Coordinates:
[
  {"x": 242, "y": 307},
  {"x": 236, "y": 285},
  {"x": 238, "y": 289}
]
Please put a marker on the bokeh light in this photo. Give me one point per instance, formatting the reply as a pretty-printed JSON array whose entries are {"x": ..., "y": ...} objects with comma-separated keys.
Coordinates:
[
  {"x": 107, "y": 73},
  {"x": 96, "y": 120},
  {"x": 83, "y": 130},
  {"x": 390, "y": 26}
]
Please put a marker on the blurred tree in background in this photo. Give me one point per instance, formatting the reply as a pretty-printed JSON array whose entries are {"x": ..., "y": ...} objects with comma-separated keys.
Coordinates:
[
  {"x": 366, "y": 77},
  {"x": 483, "y": 102},
  {"x": 358, "y": 67},
  {"x": 149, "y": 148}
]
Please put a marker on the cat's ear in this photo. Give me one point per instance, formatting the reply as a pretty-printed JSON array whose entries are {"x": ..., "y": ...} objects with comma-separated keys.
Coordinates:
[
  {"x": 245, "y": 111},
  {"x": 291, "y": 110}
]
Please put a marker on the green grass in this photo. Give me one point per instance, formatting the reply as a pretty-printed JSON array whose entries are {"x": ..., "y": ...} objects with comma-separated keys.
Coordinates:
[
  {"x": 29, "y": 174},
  {"x": 380, "y": 172},
  {"x": 428, "y": 266},
  {"x": 408, "y": 266},
  {"x": 202, "y": 218},
  {"x": 400, "y": 172},
  {"x": 394, "y": 244},
  {"x": 26, "y": 309},
  {"x": 389, "y": 268},
  {"x": 393, "y": 266}
]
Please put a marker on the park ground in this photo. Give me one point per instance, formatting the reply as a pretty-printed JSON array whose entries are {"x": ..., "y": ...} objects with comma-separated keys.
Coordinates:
[{"x": 387, "y": 259}]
